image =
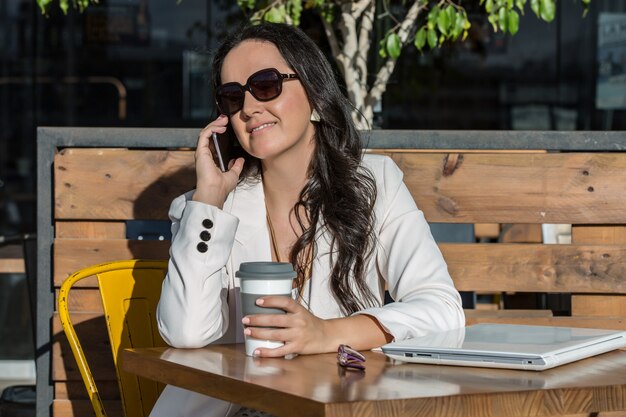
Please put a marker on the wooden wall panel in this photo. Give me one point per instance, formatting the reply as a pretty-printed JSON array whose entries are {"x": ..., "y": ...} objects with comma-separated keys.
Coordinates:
[
  {"x": 70, "y": 255},
  {"x": 130, "y": 184},
  {"x": 594, "y": 305},
  {"x": 537, "y": 268},
  {"x": 618, "y": 323},
  {"x": 83, "y": 408},
  {"x": 90, "y": 229},
  {"x": 465, "y": 188},
  {"x": 75, "y": 390},
  {"x": 96, "y": 190},
  {"x": 517, "y": 188}
]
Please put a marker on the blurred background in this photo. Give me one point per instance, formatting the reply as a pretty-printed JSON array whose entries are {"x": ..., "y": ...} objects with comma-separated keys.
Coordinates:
[{"x": 145, "y": 63}]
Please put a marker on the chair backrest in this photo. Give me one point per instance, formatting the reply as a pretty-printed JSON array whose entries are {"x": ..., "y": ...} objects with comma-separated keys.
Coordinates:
[{"x": 130, "y": 291}]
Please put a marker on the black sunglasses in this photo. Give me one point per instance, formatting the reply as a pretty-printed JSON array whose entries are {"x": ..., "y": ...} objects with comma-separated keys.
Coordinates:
[{"x": 264, "y": 85}]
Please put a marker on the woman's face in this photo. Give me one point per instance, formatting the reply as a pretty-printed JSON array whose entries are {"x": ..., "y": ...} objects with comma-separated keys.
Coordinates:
[{"x": 269, "y": 129}]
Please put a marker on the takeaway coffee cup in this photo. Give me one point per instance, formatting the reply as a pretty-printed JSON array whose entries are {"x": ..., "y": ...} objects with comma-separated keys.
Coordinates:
[{"x": 257, "y": 279}]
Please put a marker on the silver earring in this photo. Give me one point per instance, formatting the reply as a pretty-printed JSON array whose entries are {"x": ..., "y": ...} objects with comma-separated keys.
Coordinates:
[{"x": 315, "y": 116}]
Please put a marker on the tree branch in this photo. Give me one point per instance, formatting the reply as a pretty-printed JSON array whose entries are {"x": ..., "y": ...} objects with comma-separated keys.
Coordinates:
[
  {"x": 358, "y": 7},
  {"x": 346, "y": 58},
  {"x": 367, "y": 24},
  {"x": 382, "y": 77}
]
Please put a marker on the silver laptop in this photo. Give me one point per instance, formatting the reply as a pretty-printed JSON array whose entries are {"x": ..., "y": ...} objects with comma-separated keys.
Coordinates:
[{"x": 507, "y": 346}]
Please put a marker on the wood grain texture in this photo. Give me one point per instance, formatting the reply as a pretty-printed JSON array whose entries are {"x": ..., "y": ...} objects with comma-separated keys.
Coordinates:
[
  {"x": 474, "y": 267},
  {"x": 615, "y": 234},
  {"x": 599, "y": 305},
  {"x": 460, "y": 188},
  {"x": 137, "y": 184},
  {"x": 75, "y": 390},
  {"x": 312, "y": 384},
  {"x": 90, "y": 229},
  {"x": 517, "y": 188},
  {"x": 82, "y": 408},
  {"x": 537, "y": 268},
  {"x": 70, "y": 255},
  {"x": 613, "y": 323}
]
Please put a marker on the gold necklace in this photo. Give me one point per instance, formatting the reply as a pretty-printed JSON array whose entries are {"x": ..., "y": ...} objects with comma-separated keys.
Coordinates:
[
  {"x": 272, "y": 235},
  {"x": 309, "y": 249}
]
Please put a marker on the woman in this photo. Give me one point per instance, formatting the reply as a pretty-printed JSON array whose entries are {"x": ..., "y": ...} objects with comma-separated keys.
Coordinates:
[{"x": 305, "y": 193}]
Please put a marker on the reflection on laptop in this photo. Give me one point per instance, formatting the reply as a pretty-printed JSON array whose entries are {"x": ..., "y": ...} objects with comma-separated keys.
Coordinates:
[{"x": 507, "y": 346}]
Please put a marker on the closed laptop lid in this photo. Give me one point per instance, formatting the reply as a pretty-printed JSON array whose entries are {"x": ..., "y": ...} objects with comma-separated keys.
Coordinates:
[{"x": 507, "y": 345}]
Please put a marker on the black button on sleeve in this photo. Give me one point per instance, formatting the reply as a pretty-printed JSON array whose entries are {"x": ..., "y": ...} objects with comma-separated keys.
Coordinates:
[
  {"x": 202, "y": 247},
  {"x": 205, "y": 236},
  {"x": 207, "y": 223}
]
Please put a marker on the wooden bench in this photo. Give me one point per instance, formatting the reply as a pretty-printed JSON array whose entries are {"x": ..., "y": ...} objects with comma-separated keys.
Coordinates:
[{"x": 93, "y": 182}]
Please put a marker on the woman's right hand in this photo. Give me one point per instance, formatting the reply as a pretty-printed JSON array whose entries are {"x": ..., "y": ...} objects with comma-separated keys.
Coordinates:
[{"x": 213, "y": 185}]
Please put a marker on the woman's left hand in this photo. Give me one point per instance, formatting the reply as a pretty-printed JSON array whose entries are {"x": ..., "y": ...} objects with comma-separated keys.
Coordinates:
[{"x": 302, "y": 332}]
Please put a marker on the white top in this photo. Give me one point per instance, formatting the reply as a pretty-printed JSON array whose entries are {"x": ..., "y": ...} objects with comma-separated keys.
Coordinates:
[{"x": 200, "y": 292}]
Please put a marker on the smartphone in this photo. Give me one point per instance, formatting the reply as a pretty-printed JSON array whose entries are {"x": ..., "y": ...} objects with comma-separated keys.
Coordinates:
[
  {"x": 218, "y": 152},
  {"x": 225, "y": 147}
]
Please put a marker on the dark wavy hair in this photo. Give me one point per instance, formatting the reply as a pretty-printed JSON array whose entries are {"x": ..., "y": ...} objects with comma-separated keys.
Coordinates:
[{"x": 340, "y": 192}]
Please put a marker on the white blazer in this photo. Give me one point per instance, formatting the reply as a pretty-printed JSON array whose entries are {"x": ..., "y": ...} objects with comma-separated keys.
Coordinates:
[{"x": 200, "y": 301}]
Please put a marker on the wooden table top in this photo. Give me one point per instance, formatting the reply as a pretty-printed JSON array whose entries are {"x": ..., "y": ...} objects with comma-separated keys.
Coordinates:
[
  {"x": 315, "y": 385},
  {"x": 12, "y": 259}
]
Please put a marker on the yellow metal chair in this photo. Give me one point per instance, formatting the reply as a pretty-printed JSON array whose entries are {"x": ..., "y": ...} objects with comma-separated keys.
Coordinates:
[{"x": 130, "y": 291}]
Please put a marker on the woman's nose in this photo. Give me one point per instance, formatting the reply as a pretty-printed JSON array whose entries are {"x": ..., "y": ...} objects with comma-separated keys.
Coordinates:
[{"x": 250, "y": 104}]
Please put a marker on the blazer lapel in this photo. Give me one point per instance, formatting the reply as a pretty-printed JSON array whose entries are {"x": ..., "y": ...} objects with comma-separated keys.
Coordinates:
[{"x": 248, "y": 204}]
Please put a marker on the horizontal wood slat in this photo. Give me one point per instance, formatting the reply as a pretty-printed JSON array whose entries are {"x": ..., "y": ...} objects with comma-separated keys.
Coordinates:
[
  {"x": 129, "y": 184},
  {"x": 70, "y": 255},
  {"x": 474, "y": 267},
  {"x": 617, "y": 323},
  {"x": 537, "y": 268},
  {"x": 75, "y": 390},
  {"x": 599, "y": 305},
  {"x": 90, "y": 229},
  {"x": 459, "y": 188},
  {"x": 83, "y": 408},
  {"x": 517, "y": 188}
]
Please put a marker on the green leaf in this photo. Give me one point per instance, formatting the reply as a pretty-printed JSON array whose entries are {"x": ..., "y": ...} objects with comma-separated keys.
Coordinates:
[
  {"x": 64, "y": 5},
  {"x": 520, "y": 4},
  {"x": 451, "y": 11},
  {"x": 443, "y": 22},
  {"x": 503, "y": 19},
  {"x": 43, "y": 5},
  {"x": 493, "y": 19},
  {"x": 459, "y": 25},
  {"x": 294, "y": 8},
  {"x": 431, "y": 36},
  {"x": 513, "y": 22},
  {"x": 534, "y": 6},
  {"x": 548, "y": 10},
  {"x": 509, "y": 4},
  {"x": 394, "y": 45},
  {"x": 420, "y": 38},
  {"x": 275, "y": 15},
  {"x": 433, "y": 14},
  {"x": 489, "y": 6}
]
